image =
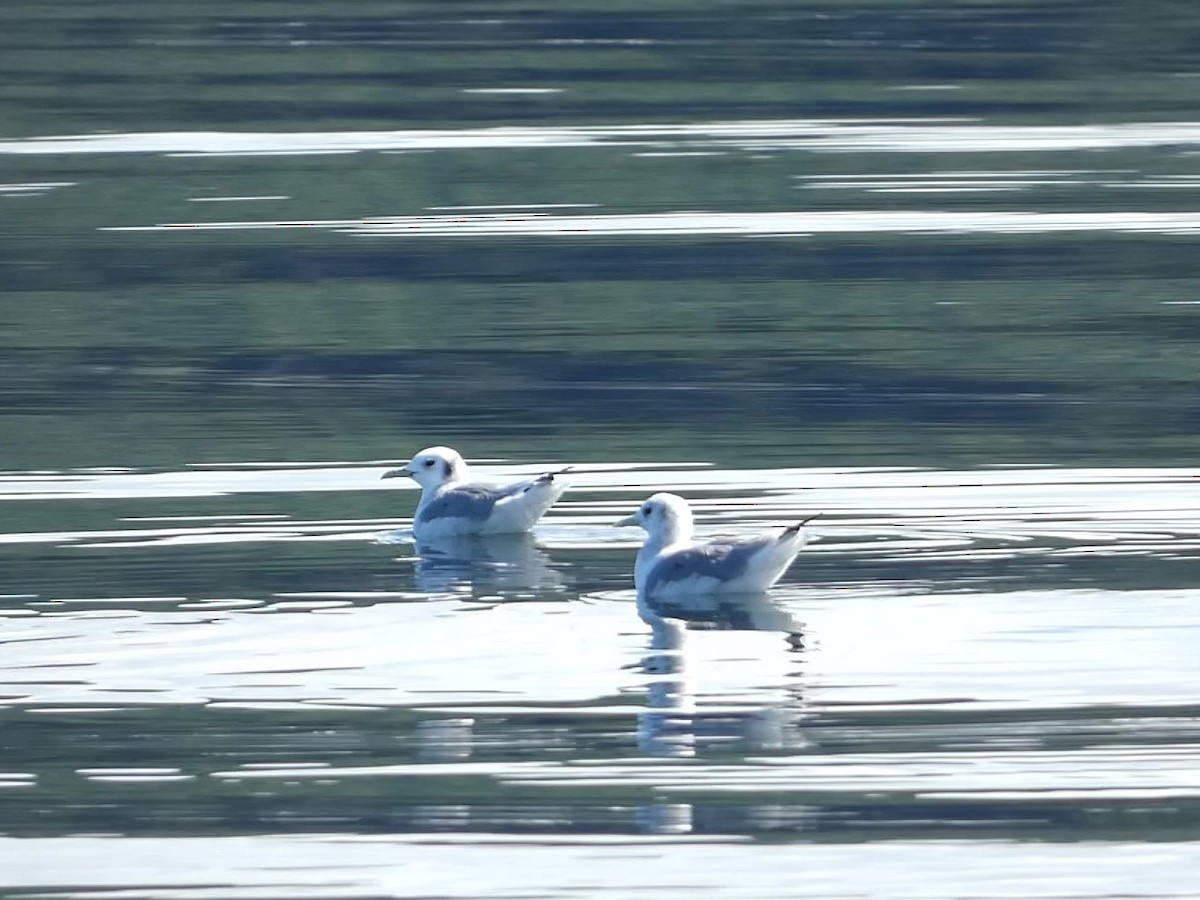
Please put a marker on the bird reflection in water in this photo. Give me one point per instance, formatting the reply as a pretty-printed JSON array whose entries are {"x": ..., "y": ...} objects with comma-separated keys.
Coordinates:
[
  {"x": 497, "y": 564},
  {"x": 671, "y": 725}
]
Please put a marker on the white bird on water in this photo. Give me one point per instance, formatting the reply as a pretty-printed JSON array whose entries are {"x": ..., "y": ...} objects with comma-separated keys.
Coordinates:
[
  {"x": 452, "y": 505},
  {"x": 671, "y": 565}
]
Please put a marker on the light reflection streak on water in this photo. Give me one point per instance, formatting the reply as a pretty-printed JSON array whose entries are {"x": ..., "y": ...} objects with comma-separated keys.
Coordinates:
[
  {"x": 33, "y": 188},
  {"x": 621, "y": 867},
  {"x": 916, "y": 135},
  {"x": 957, "y": 485},
  {"x": 867, "y": 512},
  {"x": 1109, "y": 772},
  {"x": 970, "y": 182},
  {"x": 725, "y": 223},
  {"x": 972, "y": 652}
]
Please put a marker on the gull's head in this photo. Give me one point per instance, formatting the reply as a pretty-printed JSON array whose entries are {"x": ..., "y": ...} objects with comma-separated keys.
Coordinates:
[
  {"x": 667, "y": 515},
  {"x": 432, "y": 467}
]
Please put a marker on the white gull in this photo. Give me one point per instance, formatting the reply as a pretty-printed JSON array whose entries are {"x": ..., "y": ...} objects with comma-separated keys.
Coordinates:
[
  {"x": 671, "y": 565},
  {"x": 452, "y": 505}
]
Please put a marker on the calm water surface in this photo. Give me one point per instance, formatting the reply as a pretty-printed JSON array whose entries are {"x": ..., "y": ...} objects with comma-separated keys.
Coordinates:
[{"x": 926, "y": 270}]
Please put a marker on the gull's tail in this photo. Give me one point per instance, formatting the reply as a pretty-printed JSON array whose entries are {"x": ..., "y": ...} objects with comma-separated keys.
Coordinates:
[
  {"x": 792, "y": 530},
  {"x": 549, "y": 476}
]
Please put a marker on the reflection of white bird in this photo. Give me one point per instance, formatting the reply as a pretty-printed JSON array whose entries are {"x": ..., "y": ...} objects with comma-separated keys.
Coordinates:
[
  {"x": 452, "y": 505},
  {"x": 667, "y": 726},
  {"x": 724, "y": 612},
  {"x": 484, "y": 563},
  {"x": 670, "y": 565},
  {"x": 673, "y": 723}
]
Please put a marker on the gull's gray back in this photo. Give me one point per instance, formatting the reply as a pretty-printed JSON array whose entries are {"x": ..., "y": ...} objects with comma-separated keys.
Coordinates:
[
  {"x": 724, "y": 560},
  {"x": 467, "y": 501}
]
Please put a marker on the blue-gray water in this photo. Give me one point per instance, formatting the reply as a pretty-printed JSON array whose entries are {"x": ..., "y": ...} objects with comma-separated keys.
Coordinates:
[{"x": 927, "y": 269}]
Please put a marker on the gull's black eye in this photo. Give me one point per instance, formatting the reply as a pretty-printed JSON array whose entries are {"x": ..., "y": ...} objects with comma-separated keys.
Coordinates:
[
  {"x": 428, "y": 463},
  {"x": 646, "y": 510}
]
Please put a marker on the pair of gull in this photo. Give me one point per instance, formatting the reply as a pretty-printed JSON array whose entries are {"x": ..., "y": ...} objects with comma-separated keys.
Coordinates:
[{"x": 669, "y": 565}]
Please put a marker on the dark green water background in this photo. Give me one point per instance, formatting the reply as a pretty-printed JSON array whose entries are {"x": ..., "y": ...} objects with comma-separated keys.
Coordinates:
[{"x": 159, "y": 349}]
